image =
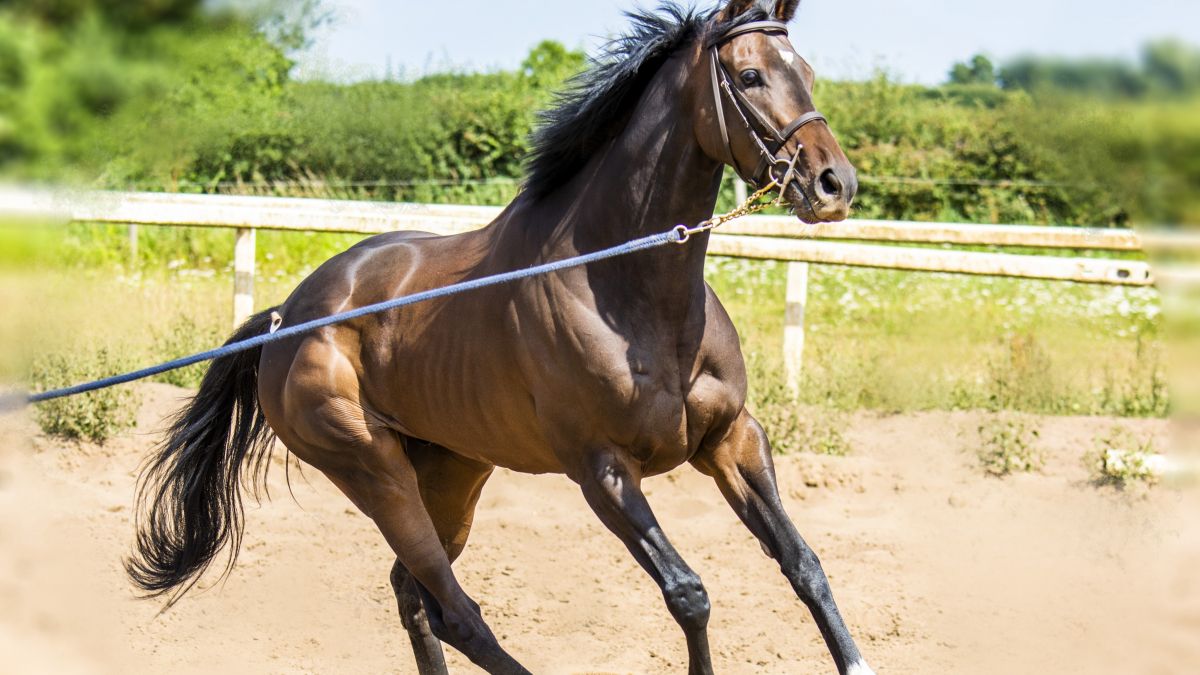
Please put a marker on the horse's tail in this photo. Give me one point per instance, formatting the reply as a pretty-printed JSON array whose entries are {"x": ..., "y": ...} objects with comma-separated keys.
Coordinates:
[{"x": 189, "y": 505}]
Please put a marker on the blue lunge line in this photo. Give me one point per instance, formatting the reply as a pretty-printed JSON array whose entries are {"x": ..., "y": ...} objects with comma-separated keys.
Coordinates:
[{"x": 671, "y": 236}]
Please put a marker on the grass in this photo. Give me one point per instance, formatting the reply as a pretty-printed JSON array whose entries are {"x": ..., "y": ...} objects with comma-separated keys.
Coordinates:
[
  {"x": 905, "y": 341},
  {"x": 876, "y": 339}
]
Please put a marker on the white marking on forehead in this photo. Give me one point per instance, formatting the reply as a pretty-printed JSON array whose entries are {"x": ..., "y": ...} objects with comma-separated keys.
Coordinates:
[{"x": 787, "y": 56}]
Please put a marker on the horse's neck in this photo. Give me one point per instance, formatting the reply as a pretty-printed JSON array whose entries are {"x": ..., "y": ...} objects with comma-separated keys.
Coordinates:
[
  {"x": 654, "y": 175},
  {"x": 649, "y": 179}
]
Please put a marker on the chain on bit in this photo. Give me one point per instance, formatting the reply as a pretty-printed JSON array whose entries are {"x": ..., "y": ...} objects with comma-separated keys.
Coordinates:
[{"x": 746, "y": 208}]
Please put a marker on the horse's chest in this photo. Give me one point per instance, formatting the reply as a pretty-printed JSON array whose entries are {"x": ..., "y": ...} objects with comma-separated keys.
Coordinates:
[
  {"x": 650, "y": 386},
  {"x": 663, "y": 410}
]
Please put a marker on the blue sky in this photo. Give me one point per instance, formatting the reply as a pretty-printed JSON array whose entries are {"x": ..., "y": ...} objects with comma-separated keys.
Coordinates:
[{"x": 917, "y": 40}]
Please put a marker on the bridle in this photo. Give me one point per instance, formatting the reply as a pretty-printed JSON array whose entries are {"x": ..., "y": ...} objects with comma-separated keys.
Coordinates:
[{"x": 747, "y": 111}]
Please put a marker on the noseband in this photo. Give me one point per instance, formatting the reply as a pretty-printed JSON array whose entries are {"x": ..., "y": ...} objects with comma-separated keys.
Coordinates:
[{"x": 746, "y": 110}]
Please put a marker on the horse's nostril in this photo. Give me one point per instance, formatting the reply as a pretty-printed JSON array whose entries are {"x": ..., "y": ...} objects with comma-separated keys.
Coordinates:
[{"x": 830, "y": 184}]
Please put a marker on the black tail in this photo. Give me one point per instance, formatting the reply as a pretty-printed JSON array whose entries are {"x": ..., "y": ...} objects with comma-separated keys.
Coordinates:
[{"x": 189, "y": 505}]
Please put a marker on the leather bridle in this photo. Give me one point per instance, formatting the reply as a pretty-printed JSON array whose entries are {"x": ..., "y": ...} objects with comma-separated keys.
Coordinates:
[{"x": 747, "y": 111}]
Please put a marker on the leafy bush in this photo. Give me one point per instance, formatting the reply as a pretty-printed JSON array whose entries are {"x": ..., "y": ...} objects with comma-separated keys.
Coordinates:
[
  {"x": 166, "y": 95},
  {"x": 95, "y": 416},
  {"x": 1168, "y": 68},
  {"x": 184, "y": 338},
  {"x": 1122, "y": 460},
  {"x": 1007, "y": 445}
]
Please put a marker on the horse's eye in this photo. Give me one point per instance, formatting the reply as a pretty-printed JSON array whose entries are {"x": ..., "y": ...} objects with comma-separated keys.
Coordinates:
[{"x": 751, "y": 78}]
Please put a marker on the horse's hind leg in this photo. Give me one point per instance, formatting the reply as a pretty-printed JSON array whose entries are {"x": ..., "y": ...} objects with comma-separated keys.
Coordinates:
[
  {"x": 382, "y": 481},
  {"x": 745, "y": 473},
  {"x": 450, "y": 487},
  {"x": 426, "y": 647}
]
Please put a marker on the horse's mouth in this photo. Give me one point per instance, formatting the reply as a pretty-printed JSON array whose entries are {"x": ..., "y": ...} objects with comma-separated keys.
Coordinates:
[
  {"x": 811, "y": 209},
  {"x": 800, "y": 203}
]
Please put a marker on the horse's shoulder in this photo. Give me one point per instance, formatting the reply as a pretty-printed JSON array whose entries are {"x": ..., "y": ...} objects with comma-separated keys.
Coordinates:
[{"x": 719, "y": 331}]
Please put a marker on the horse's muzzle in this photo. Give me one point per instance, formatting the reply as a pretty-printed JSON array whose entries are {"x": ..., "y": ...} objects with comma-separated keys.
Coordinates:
[{"x": 827, "y": 196}]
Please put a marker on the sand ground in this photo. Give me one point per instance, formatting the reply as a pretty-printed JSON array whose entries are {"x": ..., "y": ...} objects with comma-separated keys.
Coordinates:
[{"x": 937, "y": 568}]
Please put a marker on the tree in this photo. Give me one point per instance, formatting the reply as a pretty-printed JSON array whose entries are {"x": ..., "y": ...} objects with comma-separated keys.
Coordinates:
[
  {"x": 128, "y": 14},
  {"x": 979, "y": 71},
  {"x": 1171, "y": 66},
  {"x": 549, "y": 63}
]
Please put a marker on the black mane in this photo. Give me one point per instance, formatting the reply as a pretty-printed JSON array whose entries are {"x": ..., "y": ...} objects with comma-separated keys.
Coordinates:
[
  {"x": 596, "y": 105},
  {"x": 597, "y": 102}
]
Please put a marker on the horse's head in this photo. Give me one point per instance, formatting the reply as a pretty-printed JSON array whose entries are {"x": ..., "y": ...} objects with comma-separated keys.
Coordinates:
[{"x": 759, "y": 116}]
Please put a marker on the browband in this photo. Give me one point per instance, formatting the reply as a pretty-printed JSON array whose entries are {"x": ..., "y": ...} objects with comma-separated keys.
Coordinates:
[{"x": 751, "y": 27}]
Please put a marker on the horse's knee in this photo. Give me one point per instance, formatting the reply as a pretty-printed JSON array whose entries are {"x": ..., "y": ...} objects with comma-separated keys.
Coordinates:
[
  {"x": 687, "y": 601},
  {"x": 808, "y": 578},
  {"x": 464, "y": 629}
]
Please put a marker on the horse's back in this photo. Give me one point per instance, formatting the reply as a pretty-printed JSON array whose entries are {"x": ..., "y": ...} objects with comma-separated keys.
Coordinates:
[{"x": 381, "y": 268}]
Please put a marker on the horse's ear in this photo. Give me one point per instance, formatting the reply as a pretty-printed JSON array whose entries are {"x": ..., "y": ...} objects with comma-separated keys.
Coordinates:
[
  {"x": 736, "y": 8},
  {"x": 786, "y": 9}
]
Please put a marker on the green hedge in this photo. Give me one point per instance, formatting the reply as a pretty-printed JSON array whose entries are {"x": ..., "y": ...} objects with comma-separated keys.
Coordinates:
[{"x": 194, "y": 104}]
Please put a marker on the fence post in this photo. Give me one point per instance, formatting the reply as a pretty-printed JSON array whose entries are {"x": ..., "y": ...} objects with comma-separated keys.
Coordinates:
[
  {"x": 243, "y": 275},
  {"x": 133, "y": 246},
  {"x": 793, "y": 324},
  {"x": 739, "y": 190}
]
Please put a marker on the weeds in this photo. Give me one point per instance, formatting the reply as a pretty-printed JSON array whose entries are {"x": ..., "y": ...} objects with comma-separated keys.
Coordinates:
[
  {"x": 95, "y": 416},
  {"x": 1122, "y": 460},
  {"x": 790, "y": 426},
  {"x": 1020, "y": 375},
  {"x": 1007, "y": 445},
  {"x": 793, "y": 428}
]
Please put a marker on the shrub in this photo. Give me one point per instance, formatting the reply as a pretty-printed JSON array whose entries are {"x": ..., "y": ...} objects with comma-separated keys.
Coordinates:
[
  {"x": 1122, "y": 460},
  {"x": 95, "y": 416},
  {"x": 184, "y": 338},
  {"x": 1007, "y": 445}
]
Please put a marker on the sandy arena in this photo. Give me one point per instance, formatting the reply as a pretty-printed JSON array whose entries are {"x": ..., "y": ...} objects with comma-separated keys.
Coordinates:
[{"x": 936, "y": 568}]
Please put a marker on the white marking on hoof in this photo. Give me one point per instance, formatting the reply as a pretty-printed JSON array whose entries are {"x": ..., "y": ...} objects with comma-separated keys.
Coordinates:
[
  {"x": 787, "y": 56},
  {"x": 860, "y": 668}
]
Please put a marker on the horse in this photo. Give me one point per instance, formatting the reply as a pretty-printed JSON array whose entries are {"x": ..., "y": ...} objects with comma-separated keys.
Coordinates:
[{"x": 608, "y": 373}]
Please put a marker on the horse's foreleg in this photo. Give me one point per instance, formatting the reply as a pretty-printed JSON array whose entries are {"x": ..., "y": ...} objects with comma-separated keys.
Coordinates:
[
  {"x": 745, "y": 473},
  {"x": 611, "y": 485}
]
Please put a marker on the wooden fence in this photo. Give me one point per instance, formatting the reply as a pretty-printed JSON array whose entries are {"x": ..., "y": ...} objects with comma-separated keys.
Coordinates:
[{"x": 761, "y": 237}]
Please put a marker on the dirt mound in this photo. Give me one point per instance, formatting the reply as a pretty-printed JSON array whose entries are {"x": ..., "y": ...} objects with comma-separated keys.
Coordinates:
[{"x": 936, "y": 568}]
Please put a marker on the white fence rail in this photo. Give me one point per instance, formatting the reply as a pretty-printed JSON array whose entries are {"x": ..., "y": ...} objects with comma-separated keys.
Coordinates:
[{"x": 762, "y": 237}]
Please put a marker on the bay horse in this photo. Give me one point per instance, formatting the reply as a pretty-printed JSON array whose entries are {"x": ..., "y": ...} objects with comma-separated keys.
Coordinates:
[{"x": 607, "y": 373}]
